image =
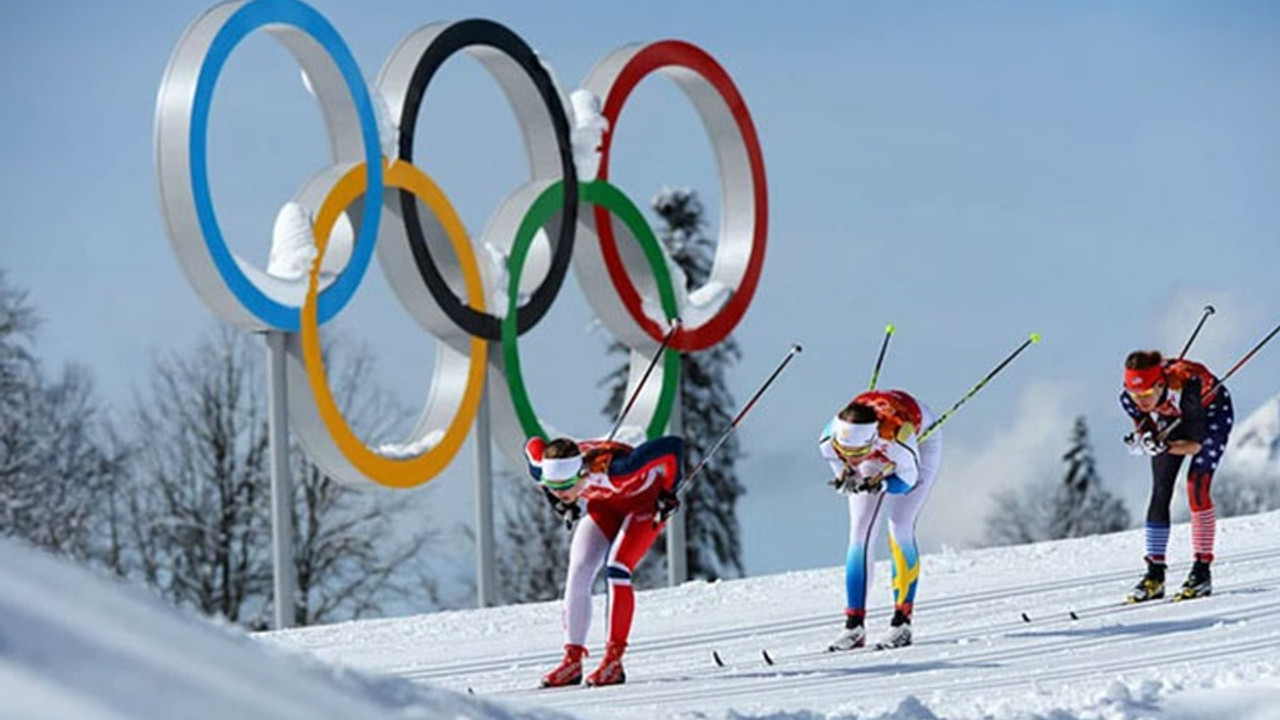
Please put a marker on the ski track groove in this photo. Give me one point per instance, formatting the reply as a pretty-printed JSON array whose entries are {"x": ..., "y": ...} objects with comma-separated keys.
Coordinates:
[
  {"x": 701, "y": 640},
  {"x": 703, "y": 667},
  {"x": 812, "y": 679}
]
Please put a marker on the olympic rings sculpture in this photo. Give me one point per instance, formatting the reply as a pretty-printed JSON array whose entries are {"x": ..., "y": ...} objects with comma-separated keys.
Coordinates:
[{"x": 401, "y": 213}]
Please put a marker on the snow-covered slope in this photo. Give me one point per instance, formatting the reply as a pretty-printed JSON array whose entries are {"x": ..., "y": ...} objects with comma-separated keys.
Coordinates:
[
  {"x": 74, "y": 646},
  {"x": 975, "y": 656}
]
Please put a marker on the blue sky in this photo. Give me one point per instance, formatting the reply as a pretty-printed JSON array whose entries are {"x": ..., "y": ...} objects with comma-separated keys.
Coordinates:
[{"x": 970, "y": 171}]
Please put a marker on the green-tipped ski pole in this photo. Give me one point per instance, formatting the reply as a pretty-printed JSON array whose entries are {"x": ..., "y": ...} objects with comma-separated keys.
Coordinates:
[
  {"x": 1208, "y": 310},
  {"x": 1208, "y": 398},
  {"x": 875, "y": 374},
  {"x": 1034, "y": 338},
  {"x": 666, "y": 340}
]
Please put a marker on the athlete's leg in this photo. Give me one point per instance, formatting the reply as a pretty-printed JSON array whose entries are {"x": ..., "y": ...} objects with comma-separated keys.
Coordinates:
[
  {"x": 904, "y": 512},
  {"x": 587, "y": 551},
  {"x": 1164, "y": 471},
  {"x": 634, "y": 539},
  {"x": 865, "y": 511},
  {"x": 1219, "y": 418}
]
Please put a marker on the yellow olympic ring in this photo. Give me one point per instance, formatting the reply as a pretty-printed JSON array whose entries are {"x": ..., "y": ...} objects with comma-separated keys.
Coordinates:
[{"x": 417, "y": 470}]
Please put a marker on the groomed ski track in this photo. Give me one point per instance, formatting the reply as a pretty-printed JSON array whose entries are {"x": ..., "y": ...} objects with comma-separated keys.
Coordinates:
[{"x": 974, "y": 652}]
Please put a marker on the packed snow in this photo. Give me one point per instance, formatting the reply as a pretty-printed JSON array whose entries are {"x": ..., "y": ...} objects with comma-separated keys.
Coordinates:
[{"x": 73, "y": 645}]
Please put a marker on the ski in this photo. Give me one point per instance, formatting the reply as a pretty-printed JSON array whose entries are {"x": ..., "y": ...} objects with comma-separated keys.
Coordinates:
[
  {"x": 770, "y": 659},
  {"x": 1108, "y": 608}
]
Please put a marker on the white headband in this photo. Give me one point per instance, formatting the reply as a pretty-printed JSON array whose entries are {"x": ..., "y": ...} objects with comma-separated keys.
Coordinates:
[
  {"x": 561, "y": 469},
  {"x": 852, "y": 435}
]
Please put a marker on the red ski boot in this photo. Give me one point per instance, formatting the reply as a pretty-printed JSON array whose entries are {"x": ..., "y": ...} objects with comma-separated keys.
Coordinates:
[
  {"x": 610, "y": 671},
  {"x": 569, "y": 671}
]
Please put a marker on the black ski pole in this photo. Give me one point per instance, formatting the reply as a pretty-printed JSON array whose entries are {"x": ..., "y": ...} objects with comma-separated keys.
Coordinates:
[
  {"x": 693, "y": 475},
  {"x": 666, "y": 340},
  {"x": 875, "y": 374},
  {"x": 1208, "y": 310},
  {"x": 1208, "y": 398},
  {"x": 1034, "y": 338}
]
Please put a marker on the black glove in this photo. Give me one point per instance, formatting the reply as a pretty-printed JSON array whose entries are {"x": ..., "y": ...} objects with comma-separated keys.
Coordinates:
[
  {"x": 849, "y": 481},
  {"x": 872, "y": 485},
  {"x": 668, "y": 503},
  {"x": 1145, "y": 443},
  {"x": 570, "y": 512},
  {"x": 1153, "y": 445}
]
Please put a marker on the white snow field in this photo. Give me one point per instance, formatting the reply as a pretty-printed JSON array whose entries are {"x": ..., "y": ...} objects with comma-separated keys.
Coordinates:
[
  {"x": 974, "y": 657},
  {"x": 75, "y": 646}
]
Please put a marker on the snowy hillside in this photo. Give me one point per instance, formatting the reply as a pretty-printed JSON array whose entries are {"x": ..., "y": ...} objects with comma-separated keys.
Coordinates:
[
  {"x": 1254, "y": 449},
  {"x": 75, "y": 646}
]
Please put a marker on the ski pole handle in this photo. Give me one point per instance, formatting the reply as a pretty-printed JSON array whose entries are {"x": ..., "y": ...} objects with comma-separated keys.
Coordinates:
[
  {"x": 1208, "y": 397},
  {"x": 693, "y": 475},
  {"x": 666, "y": 340},
  {"x": 875, "y": 374},
  {"x": 1208, "y": 310}
]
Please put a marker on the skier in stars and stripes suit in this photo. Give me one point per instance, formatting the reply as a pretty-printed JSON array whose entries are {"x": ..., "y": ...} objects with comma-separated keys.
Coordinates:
[{"x": 1157, "y": 393}]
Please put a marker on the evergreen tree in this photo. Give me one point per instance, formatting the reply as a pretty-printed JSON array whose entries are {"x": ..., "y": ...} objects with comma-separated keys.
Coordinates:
[
  {"x": 533, "y": 549},
  {"x": 1076, "y": 506},
  {"x": 706, "y": 405},
  {"x": 1082, "y": 506}
]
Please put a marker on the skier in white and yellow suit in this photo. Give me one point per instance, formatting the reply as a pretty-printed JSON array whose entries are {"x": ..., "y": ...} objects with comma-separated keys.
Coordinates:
[{"x": 874, "y": 450}]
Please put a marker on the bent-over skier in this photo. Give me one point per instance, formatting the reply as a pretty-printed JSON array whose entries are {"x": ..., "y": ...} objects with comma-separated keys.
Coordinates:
[
  {"x": 873, "y": 447},
  {"x": 1157, "y": 393},
  {"x": 628, "y": 495}
]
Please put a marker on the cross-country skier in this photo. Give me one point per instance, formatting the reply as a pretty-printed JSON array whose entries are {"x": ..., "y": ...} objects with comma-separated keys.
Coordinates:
[
  {"x": 628, "y": 494},
  {"x": 874, "y": 449},
  {"x": 1158, "y": 392}
]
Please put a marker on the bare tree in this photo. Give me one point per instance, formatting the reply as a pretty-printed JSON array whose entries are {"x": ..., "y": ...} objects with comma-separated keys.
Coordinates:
[
  {"x": 1016, "y": 519},
  {"x": 199, "y": 505},
  {"x": 57, "y": 466},
  {"x": 202, "y": 486},
  {"x": 352, "y": 559},
  {"x": 1240, "y": 494}
]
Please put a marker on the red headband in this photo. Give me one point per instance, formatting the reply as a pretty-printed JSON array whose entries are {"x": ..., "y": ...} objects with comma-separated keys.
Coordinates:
[{"x": 1144, "y": 379}]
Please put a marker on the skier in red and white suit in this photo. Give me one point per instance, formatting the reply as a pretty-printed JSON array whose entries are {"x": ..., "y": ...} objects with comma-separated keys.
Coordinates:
[{"x": 629, "y": 493}]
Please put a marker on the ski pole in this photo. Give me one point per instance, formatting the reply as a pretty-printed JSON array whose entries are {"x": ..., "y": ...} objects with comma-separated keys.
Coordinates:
[
  {"x": 875, "y": 374},
  {"x": 666, "y": 340},
  {"x": 1208, "y": 310},
  {"x": 1208, "y": 398},
  {"x": 688, "y": 481},
  {"x": 1034, "y": 338}
]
